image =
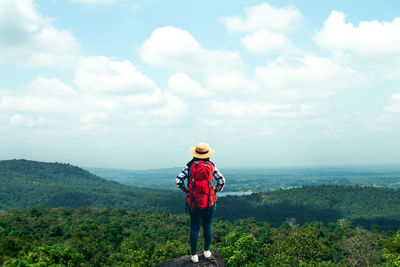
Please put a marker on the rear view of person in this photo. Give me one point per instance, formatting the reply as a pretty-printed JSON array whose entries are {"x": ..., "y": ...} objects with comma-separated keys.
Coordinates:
[{"x": 201, "y": 194}]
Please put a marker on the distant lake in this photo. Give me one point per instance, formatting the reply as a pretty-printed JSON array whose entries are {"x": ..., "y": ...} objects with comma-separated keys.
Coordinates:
[{"x": 224, "y": 194}]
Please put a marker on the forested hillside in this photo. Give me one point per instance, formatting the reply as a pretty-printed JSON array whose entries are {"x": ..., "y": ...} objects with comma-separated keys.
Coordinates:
[
  {"x": 25, "y": 183},
  {"x": 116, "y": 237},
  {"x": 365, "y": 206}
]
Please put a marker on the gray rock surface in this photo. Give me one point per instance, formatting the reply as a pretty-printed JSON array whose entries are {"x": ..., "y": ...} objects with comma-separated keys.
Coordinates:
[{"x": 214, "y": 261}]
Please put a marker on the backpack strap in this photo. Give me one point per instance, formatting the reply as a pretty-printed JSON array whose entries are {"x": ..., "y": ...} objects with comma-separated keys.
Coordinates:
[
  {"x": 209, "y": 194},
  {"x": 193, "y": 182}
]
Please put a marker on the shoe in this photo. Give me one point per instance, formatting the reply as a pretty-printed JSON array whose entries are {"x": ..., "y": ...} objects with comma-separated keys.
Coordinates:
[
  {"x": 195, "y": 258},
  {"x": 207, "y": 254}
]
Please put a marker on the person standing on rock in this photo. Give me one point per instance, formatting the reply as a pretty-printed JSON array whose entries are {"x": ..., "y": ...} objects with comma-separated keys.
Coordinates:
[{"x": 201, "y": 194}]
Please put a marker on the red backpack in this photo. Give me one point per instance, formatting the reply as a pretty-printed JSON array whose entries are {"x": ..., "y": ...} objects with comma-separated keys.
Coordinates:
[{"x": 201, "y": 192}]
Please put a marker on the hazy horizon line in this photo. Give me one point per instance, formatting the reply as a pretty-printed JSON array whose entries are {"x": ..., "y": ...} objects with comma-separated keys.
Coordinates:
[{"x": 317, "y": 166}]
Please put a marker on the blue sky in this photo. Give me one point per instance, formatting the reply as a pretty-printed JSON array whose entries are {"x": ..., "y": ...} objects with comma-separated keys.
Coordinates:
[{"x": 135, "y": 84}]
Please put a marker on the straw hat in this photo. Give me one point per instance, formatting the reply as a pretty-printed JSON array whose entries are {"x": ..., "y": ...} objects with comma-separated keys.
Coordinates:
[{"x": 202, "y": 151}]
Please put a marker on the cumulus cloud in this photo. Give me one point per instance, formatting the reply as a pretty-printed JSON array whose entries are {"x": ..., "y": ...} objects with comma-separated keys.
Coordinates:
[
  {"x": 29, "y": 38},
  {"x": 266, "y": 28},
  {"x": 43, "y": 95},
  {"x": 233, "y": 81},
  {"x": 372, "y": 45},
  {"x": 94, "y": 121},
  {"x": 182, "y": 85},
  {"x": 221, "y": 70},
  {"x": 50, "y": 87},
  {"x": 257, "y": 109},
  {"x": 153, "y": 99},
  {"x": 29, "y": 103},
  {"x": 306, "y": 77},
  {"x": 176, "y": 48},
  {"x": 265, "y": 42},
  {"x": 264, "y": 17},
  {"x": 50, "y": 101},
  {"x": 173, "y": 111},
  {"x": 100, "y": 74},
  {"x": 369, "y": 38}
]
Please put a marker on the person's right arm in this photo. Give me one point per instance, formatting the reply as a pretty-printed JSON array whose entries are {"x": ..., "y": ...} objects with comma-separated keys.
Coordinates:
[{"x": 180, "y": 179}]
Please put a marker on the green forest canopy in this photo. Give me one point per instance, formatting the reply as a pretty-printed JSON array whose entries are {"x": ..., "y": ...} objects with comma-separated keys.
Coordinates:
[{"x": 116, "y": 237}]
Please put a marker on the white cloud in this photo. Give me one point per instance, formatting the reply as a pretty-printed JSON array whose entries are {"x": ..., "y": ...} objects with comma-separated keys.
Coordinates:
[
  {"x": 369, "y": 38},
  {"x": 37, "y": 103},
  {"x": 29, "y": 38},
  {"x": 100, "y": 74},
  {"x": 264, "y": 17},
  {"x": 153, "y": 99},
  {"x": 264, "y": 42},
  {"x": 42, "y": 95},
  {"x": 50, "y": 87},
  {"x": 175, "y": 48},
  {"x": 394, "y": 106},
  {"x": 182, "y": 85},
  {"x": 51, "y": 102},
  {"x": 370, "y": 45},
  {"x": 257, "y": 109},
  {"x": 266, "y": 28},
  {"x": 173, "y": 111},
  {"x": 232, "y": 81},
  {"x": 306, "y": 77},
  {"x": 94, "y": 121}
]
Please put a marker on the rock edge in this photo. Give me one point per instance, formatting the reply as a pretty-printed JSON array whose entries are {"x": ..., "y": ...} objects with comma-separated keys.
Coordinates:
[{"x": 214, "y": 261}]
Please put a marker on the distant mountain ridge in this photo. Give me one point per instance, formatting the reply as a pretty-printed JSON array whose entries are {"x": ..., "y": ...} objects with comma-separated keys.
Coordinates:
[
  {"x": 266, "y": 179},
  {"x": 25, "y": 183},
  {"x": 152, "y": 178}
]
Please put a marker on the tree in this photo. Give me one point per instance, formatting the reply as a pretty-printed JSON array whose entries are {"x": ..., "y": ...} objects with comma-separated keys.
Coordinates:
[
  {"x": 361, "y": 248},
  {"x": 391, "y": 250},
  {"x": 56, "y": 254},
  {"x": 241, "y": 249},
  {"x": 299, "y": 245}
]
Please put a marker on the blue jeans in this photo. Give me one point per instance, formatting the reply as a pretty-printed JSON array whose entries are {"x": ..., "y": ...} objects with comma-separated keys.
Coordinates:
[{"x": 200, "y": 217}]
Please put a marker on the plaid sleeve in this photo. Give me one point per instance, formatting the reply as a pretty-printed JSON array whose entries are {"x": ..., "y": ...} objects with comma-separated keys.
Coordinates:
[
  {"x": 180, "y": 179},
  {"x": 219, "y": 178}
]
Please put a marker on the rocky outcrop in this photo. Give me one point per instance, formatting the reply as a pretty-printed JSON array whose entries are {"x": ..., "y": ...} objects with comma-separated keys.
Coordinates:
[{"x": 214, "y": 261}]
